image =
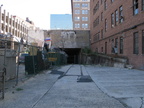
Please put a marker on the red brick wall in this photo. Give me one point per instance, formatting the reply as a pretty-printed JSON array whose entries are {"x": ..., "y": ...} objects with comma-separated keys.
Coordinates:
[{"x": 130, "y": 20}]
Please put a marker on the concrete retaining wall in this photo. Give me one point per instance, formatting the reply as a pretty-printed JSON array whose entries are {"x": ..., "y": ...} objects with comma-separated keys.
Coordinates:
[{"x": 103, "y": 60}]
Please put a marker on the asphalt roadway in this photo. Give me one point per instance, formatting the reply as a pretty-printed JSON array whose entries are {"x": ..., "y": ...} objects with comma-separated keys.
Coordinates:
[{"x": 78, "y": 86}]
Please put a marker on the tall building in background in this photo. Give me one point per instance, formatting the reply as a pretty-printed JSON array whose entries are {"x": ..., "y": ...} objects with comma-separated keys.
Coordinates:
[
  {"x": 81, "y": 14},
  {"x": 61, "y": 21}
]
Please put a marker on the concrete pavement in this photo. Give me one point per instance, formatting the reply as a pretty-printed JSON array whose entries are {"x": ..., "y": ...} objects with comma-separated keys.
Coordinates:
[
  {"x": 126, "y": 85},
  {"x": 68, "y": 93},
  {"x": 48, "y": 90}
]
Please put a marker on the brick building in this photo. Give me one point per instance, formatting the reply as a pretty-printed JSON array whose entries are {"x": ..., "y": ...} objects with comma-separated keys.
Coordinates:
[
  {"x": 117, "y": 27},
  {"x": 81, "y": 14}
]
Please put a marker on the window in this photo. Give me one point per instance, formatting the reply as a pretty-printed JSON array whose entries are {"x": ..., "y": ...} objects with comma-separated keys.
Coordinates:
[
  {"x": 84, "y": 18},
  {"x": 77, "y": 25},
  {"x": 76, "y": 5},
  {"x": 84, "y": 0},
  {"x": 105, "y": 47},
  {"x": 96, "y": 22},
  {"x": 105, "y": 5},
  {"x": 77, "y": 11},
  {"x": 96, "y": 8},
  {"x": 84, "y": 5},
  {"x": 84, "y": 11},
  {"x": 135, "y": 7},
  {"x": 98, "y": 4},
  {"x": 106, "y": 25},
  {"x": 102, "y": 33},
  {"x": 121, "y": 45},
  {"x": 112, "y": 1},
  {"x": 112, "y": 46},
  {"x": 96, "y": 37},
  {"x": 116, "y": 17},
  {"x": 101, "y": 16},
  {"x": 84, "y": 25},
  {"x": 101, "y": 49},
  {"x": 101, "y": 1},
  {"x": 112, "y": 20},
  {"x": 135, "y": 43},
  {"x": 121, "y": 18},
  {"x": 77, "y": 18},
  {"x": 142, "y": 4},
  {"x": 115, "y": 48},
  {"x": 143, "y": 42},
  {"x": 116, "y": 42}
]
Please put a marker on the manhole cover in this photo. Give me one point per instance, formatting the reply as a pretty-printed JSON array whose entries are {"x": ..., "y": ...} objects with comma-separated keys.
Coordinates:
[{"x": 85, "y": 78}]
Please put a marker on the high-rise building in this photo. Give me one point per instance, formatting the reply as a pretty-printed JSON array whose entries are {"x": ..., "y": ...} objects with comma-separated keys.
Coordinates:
[
  {"x": 61, "y": 21},
  {"x": 117, "y": 28},
  {"x": 81, "y": 14}
]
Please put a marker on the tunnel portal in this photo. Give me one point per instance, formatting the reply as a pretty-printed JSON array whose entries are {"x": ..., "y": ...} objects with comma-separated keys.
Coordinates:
[{"x": 73, "y": 55}]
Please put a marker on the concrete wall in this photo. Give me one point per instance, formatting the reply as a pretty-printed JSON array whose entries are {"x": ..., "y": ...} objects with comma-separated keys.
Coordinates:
[
  {"x": 103, "y": 60},
  {"x": 36, "y": 36},
  {"x": 69, "y": 38},
  {"x": 10, "y": 63}
]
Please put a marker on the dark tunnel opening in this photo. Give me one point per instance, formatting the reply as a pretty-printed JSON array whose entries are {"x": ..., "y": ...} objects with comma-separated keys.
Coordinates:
[{"x": 73, "y": 55}]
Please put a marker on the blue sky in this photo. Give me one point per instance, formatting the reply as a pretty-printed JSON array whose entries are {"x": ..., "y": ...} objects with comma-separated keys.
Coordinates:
[
  {"x": 37, "y": 10},
  {"x": 61, "y": 21}
]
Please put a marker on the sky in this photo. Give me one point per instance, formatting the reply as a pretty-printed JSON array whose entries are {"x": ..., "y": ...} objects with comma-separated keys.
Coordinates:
[
  {"x": 37, "y": 11},
  {"x": 61, "y": 21}
]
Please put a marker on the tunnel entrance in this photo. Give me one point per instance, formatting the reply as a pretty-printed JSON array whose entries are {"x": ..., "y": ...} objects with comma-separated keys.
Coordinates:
[{"x": 73, "y": 55}]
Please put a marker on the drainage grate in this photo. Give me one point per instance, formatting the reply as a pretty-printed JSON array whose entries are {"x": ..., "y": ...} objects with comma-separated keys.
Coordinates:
[{"x": 85, "y": 78}]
